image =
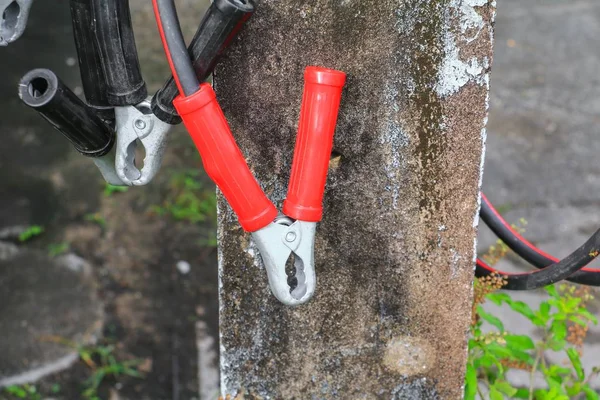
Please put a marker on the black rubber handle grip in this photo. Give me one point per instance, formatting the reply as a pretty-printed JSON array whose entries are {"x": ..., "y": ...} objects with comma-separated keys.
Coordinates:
[
  {"x": 88, "y": 53},
  {"x": 219, "y": 26},
  {"x": 113, "y": 31},
  {"x": 41, "y": 90}
]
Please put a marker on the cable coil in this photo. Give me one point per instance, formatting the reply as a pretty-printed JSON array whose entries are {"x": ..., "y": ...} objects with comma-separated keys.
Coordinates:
[{"x": 551, "y": 269}]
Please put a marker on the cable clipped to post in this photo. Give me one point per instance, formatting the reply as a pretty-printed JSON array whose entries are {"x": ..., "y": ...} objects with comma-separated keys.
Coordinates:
[{"x": 279, "y": 237}]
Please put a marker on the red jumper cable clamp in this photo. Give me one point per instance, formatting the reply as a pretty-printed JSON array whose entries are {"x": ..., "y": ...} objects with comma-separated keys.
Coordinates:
[{"x": 277, "y": 236}]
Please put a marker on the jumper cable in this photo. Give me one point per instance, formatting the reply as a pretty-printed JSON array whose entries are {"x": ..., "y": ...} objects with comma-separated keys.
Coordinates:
[
  {"x": 118, "y": 116},
  {"x": 551, "y": 268},
  {"x": 278, "y": 237}
]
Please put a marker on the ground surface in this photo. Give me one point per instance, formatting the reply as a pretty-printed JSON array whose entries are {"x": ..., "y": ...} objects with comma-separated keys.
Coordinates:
[
  {"x": 150, "y": 309},
  {"x": 541, "y": 165}
]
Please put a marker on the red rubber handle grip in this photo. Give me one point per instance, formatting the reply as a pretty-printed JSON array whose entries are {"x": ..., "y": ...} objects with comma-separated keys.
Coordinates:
[
  {"x": 318, "y": 117},
  {"x": 222, "y": 158}
]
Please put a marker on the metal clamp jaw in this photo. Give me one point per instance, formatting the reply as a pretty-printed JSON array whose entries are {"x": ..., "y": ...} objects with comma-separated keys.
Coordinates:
[
  {"x": 13, "y": 19},
  {"x": 281, "y": 241},
  {"x": 133, "y": 124},
  {"x": 106, "y": 165}
]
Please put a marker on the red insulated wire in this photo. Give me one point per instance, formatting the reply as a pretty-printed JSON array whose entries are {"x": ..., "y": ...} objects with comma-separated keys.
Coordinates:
[
  {"x": 550, "y": 270},
  {"x": 484, "y": 265},
  {"x": 522, "y": 241},
  {"x": 515, "y": 233}
]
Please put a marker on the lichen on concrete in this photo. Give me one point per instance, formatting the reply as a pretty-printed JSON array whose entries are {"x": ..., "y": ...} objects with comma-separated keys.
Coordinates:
[{"x": 391, "y": 312}]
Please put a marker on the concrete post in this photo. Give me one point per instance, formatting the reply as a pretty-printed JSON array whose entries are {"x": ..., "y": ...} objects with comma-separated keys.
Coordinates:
[{"x": 396, "y": 247}]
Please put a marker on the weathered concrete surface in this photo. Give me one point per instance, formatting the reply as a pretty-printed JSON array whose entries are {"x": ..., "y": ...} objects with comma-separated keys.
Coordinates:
[
  {"x": 39, "y": 299},
  {"x": 395, "y": 249},
  {"x": 543, "y": 144}
]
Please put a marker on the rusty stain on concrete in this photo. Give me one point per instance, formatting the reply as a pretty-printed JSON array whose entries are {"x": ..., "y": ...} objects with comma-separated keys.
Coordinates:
[{"x": 395, "y": 249}]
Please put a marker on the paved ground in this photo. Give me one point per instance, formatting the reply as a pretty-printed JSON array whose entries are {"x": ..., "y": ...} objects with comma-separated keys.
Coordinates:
[
  {"x": 151, "y": 309},
  {"x": 46, "y": 299},
  {"x": 543, "y": 137}
]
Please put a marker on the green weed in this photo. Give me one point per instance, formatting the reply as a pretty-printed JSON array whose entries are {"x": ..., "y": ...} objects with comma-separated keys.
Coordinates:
[
  {"x": 102, "y": 363},
  {"x": 56, "y": 249},
  {"x": 30, "y": 232},
  {"x": 111, "y": 189},
  {"x": 55, "y": 389},
  {"x": 188, "y": 199},
  {"x": 27, "y": 392},
  {"x": 562, "y": 317},
  {"x": 97, "y": 219}
]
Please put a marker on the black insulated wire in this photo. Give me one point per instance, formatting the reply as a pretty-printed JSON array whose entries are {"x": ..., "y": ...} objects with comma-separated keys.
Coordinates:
[
  {"x": 220, "y": 25},
  {"x": 176, "y": 47},
  {"x": 510, "y": 239},
  {"x": 524, "y": 249},
  {"x": 551, "y": 274}
]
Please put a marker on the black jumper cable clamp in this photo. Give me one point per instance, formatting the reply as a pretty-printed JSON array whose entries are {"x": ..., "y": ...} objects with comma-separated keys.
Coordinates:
[
  {"x": 280, "y": 237},
  {"x": 118, "y": 115}
]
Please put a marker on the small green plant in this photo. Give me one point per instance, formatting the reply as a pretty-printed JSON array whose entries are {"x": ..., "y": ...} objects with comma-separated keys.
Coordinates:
[
  {"x": 55, "y": 388},
  {"x": 563, "y": 319},
  {"x": 103, "y": 363},
  {"x": 56, "y": 249},
  {"x": 111, "y": 189},
  {"x": 30, "y": 232},
  {"x": 28, "y": 392},
  {"x": 188, "y": 200},
  {"x": 97, "y": 219}
]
